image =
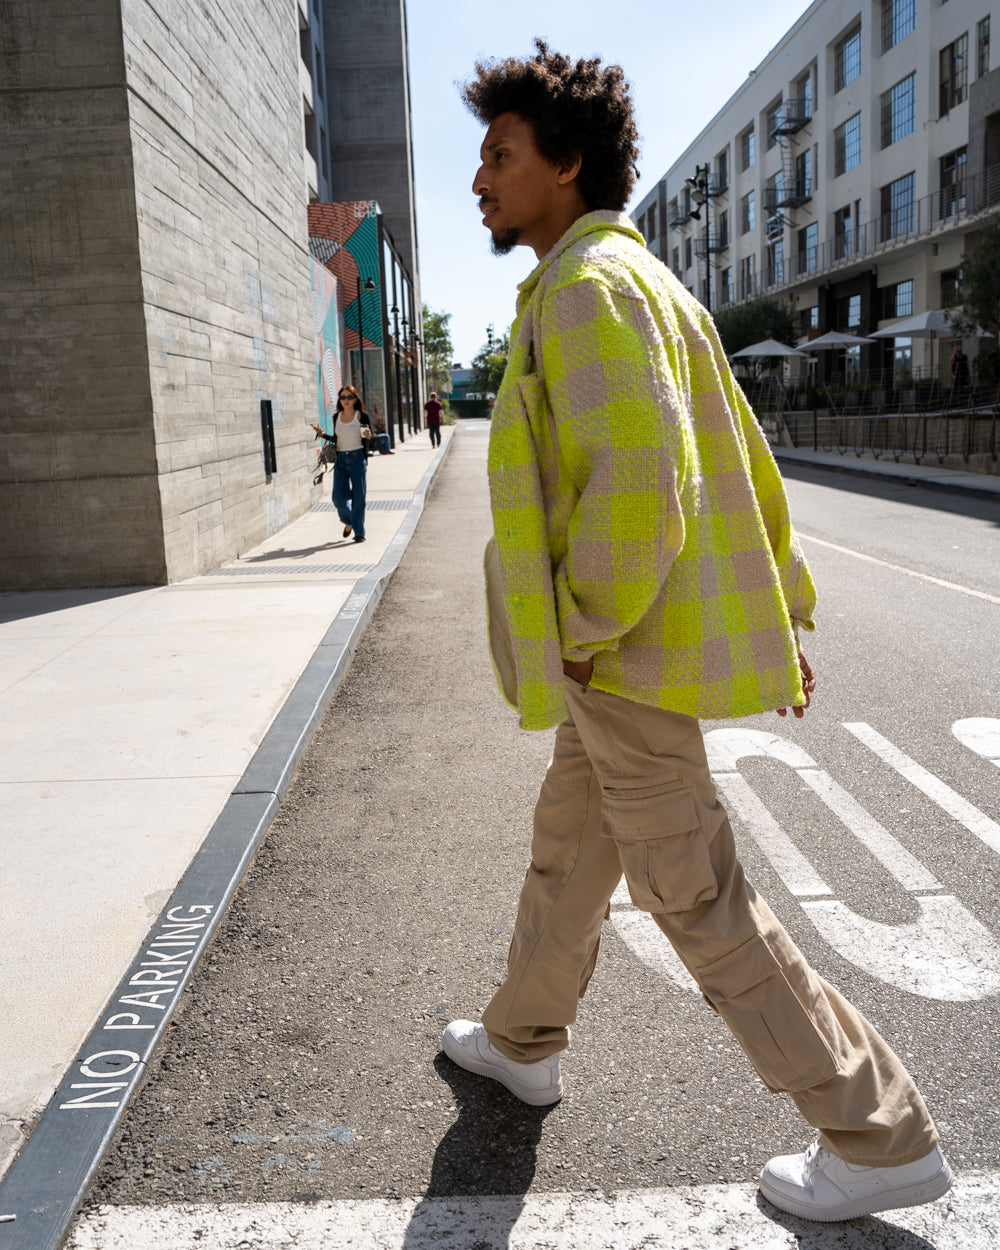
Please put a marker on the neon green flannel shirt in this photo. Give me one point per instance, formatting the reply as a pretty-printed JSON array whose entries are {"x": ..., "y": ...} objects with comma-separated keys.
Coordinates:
[{"x": 639, "y": 514}]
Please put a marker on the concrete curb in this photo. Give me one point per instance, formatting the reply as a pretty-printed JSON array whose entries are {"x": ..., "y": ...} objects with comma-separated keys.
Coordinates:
[{"x": 48, "y": 1180}]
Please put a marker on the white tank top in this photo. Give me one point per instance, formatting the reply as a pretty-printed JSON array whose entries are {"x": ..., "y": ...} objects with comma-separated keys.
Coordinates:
[{"x": 348, "y": 434}]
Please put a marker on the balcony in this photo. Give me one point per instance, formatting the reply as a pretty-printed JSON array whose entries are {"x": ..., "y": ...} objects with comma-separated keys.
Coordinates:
[
  {"x": 794, "y": 115},
  {"x": 906, "y": 224},
  {"x": 710, "y": 242}
]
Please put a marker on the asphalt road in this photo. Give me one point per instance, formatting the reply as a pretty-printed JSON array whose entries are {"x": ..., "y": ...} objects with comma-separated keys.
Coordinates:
[{"x": 305, "y": 1062}]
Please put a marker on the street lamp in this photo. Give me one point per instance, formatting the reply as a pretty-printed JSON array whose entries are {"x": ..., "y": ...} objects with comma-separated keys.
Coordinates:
[
  {"x": 702, "y": 193},
  {"x": 369, "y": 286},
  {"x": 395, "y": 349}
]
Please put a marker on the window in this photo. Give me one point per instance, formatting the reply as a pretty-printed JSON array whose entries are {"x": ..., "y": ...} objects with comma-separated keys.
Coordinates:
[
  {"x": 899, "y": 110},
  {"x": 954, "y": 75},
  {"x": 803, "y": 91},
  {"x": 722, "y": 170},
  {"x": 952, "y": 174},
  {"x": 809, "y": 248},
  {"x": 675, "y": 260},
  {"x": 640, "y": 225},
  {"x": 847, "y": 312},
  {"x": 774, "y": 192},
  {"x": 847, "y": 145},
  {"x": 687, "y": 253},
  {"x": 808, "y": 319},
  {"x": 897, "y": 207},
  {"x": 748, "y": 208},
  {"x": 747, "y": 276},
  {"x": 843, "y": 235},
  {"x": 651, "y": 222},
  {"x": 722, "y": 234},
  {"x": 776, "y": 263},
  {"x": 951, "y": 287},
  {"x": 747, "y": 149},
  {"x": 847, "y": 59},
  {"x": 803, "y": 175},
  {"x": 983, "y": 47},
  {"x": 899, "y": 17},
  {"x": 902, "y": 358},
  {"x": 727, "y": 285},
  {"x": 773, "y": 122},
  {"x": 897, "y": 300}
]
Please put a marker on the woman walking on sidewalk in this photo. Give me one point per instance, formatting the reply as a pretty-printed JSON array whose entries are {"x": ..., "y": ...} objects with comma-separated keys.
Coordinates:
[{"x": 352, "y": 432}]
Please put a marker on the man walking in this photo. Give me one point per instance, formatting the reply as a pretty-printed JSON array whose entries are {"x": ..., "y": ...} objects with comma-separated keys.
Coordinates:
[
  {"x": 432, "y": 415},
  {"x": 644, "y": 574}
]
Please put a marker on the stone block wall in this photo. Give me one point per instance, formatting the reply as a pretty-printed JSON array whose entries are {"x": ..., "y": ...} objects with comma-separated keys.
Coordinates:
[
  {"x": 78, "y": 494},
  {"x": 217, "y": 146},
  {"x": 156, "y": 287}
]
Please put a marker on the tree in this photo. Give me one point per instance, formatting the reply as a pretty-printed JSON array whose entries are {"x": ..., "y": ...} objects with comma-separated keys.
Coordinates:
[
  {"x": 980, "y": 287},
  {"x": 489, "y": 364},
  {"x": 438, "y": 352},
  {"x": 756, "y": 320}
]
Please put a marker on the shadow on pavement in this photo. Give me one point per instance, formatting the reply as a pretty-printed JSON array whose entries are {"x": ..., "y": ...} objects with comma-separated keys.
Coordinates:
[
  {"x": 871, "y": 1232},
  {"x": 491, "y": 1149},
  {"x": 896, "y": 490}
]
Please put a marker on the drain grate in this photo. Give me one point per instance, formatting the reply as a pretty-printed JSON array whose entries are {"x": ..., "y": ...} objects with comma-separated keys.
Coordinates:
[
  {"x": 373, "y": 505},
  {"x": 283, "y": 570}
]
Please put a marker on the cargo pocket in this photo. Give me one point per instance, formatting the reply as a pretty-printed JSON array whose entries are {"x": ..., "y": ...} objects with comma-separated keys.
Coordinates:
[
  {"x": 751, "y": 993},
  {"x": 662, "y": 847}
]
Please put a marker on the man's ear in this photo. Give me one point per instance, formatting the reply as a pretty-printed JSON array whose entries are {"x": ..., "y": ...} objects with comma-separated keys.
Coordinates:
[{"x": 568, "y": 170}]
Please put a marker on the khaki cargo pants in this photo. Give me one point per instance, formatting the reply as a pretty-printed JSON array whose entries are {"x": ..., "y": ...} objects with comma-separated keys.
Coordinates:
[{"x": 629, "y": 790}]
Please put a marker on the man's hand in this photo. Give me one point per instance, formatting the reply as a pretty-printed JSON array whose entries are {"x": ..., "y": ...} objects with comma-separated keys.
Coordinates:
[
  {"x": 808, "y": 686},
  {"x": 580, "y": 670}
]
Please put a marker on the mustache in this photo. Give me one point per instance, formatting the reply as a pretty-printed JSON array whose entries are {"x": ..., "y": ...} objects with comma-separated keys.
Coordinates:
[{"x": 483, "y": 203}]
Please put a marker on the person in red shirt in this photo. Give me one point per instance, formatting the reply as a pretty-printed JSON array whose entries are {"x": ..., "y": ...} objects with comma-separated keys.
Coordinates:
[{"x": 432, "y": 415}]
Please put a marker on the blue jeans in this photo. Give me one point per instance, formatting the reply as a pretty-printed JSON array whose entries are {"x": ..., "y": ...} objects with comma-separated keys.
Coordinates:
[{"x": 349, "y": 479}]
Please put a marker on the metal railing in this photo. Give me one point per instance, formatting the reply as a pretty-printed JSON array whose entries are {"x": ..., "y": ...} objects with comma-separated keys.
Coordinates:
[
  {"x": 922, "y": 436},
  {"x": 940, "y": 211}
]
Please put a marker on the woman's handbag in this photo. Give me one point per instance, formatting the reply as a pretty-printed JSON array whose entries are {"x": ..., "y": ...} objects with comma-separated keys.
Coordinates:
[{"x": 328, "y": 453}]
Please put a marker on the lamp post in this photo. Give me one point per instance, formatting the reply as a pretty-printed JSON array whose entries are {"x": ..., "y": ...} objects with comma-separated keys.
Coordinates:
[
  {"x": 702, "y": 194},
  {"x": 369, "y": 286},
  {"x": 395, "y": 355}
]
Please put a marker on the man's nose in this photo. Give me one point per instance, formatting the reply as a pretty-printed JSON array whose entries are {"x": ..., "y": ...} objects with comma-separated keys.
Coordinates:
[{"x": 479, "y": 183}]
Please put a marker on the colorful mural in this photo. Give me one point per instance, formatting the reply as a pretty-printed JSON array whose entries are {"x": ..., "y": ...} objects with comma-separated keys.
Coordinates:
[{"x": 344, "y": 243}]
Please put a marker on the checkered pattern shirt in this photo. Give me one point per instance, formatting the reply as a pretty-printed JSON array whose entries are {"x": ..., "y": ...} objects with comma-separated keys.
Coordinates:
[{"x": 639, "y": 514}]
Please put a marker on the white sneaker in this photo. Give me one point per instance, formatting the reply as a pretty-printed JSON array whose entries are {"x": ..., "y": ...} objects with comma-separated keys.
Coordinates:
[
  {"x": 466, "y": 1044},
  {"x": 819, "y": 1186}
]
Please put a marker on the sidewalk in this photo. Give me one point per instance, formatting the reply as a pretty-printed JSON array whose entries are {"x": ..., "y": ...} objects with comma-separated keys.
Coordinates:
[
  {"x": 983, "y": 484},
  {"x": 128, "y": 719}
]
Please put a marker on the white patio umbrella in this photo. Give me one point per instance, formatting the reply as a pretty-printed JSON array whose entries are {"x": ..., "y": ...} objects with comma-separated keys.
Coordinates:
[
  {"x": 927, "y": 325},
  {"x": 834, "y": 338},
  {"x": 767, "y": 347}
]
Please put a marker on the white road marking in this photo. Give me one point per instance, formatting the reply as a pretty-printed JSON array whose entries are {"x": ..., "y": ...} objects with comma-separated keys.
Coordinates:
[
  {"x": 980, "y": 734},
  {"x": 640, "y": 933},
  {"x": 961, "y": 809},
  {"x": 899, "y": 568},
  {"x": 697, "y": 1217}
]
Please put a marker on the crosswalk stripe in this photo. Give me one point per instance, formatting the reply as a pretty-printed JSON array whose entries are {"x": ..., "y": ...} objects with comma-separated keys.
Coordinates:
[{"x": 702, "y": 1217}]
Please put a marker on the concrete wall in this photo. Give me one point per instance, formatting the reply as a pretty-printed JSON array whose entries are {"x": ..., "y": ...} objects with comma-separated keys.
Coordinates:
[
  {"x": 156, "y": 286},
  {"x": 217, "y": 141},
  {"x": 79, "y": 503}
]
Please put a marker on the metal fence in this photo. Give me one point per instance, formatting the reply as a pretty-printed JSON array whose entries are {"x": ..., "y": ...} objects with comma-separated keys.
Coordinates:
[{"x": 920, "y": 436}]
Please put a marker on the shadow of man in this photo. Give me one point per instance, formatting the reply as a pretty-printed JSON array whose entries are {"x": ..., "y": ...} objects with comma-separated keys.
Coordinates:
[{"x": 482, "y": 1169}]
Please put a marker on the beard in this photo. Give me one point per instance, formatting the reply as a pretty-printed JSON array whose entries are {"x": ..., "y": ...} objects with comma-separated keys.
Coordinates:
[{"x": 504, "y": 241}]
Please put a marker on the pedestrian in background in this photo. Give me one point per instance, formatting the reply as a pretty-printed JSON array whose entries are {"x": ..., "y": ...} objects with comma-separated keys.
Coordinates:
[
  {"x": 644, "y": 575},
  {"x": 352, "y": 431},
  {"x": 432, "y": 415},
  {"x": 959, "y": 366}
]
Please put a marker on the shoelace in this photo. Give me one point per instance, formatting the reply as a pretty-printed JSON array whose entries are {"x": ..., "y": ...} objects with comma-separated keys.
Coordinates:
[{"x": 816, "y": 1156}]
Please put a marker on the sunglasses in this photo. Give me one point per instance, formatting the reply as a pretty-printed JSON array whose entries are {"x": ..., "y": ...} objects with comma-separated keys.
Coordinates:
[{"x": 343, "y": 397}]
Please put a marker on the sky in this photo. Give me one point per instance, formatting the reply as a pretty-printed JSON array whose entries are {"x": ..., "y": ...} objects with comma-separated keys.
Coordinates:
[{"x": 684, "y": 61}]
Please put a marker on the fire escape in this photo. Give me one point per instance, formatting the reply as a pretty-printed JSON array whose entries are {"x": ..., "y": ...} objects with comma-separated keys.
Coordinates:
[{"x": 796, "y": 182}]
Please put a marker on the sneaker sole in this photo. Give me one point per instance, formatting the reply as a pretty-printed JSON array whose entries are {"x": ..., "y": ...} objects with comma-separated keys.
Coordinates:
[
  {"x": 533, "y": 1097},
  {"x": 909, "y": 1196}
]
